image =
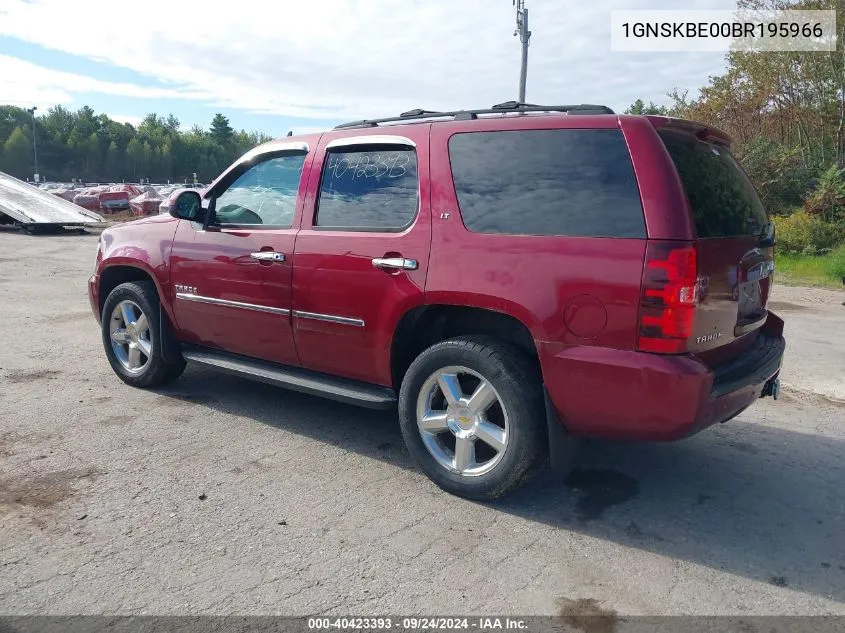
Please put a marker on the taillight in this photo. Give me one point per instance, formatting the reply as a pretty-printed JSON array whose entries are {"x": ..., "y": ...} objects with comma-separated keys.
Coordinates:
[{"x": 669, "y": 297}]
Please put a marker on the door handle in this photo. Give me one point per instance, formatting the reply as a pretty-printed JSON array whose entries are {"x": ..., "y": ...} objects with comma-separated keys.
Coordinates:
[
  {"x": 395, "y": 263},
  {"x": 268, "y": 256}
]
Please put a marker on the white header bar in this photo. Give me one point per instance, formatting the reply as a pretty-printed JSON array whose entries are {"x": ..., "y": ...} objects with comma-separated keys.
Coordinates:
[{"x": 722, "y": 31}]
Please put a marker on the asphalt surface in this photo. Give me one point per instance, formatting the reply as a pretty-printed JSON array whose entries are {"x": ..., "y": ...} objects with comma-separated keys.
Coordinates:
[
  {"x": 814, "y": 326},
  {"x": 218, "y": 495}
]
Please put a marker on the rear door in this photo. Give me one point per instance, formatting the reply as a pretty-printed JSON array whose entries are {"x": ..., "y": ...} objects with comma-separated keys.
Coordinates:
[
  {"x": 735, "y": 254},
  {"x": 362, "y": 252}
]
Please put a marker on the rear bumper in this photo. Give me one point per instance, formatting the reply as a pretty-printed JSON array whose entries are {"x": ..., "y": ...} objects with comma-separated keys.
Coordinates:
[
  {"x": 758, "y": 364},
  {"x": 621, "y": 394}
]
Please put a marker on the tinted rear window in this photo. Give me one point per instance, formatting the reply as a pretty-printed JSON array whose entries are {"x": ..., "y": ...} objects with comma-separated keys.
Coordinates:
[
  {"x": 723, "y": 200},
  {"x": 547, "y": 182}
]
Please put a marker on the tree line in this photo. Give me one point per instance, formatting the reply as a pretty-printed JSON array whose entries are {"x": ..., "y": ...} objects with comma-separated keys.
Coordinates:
[{"x": 94, "y": 148}]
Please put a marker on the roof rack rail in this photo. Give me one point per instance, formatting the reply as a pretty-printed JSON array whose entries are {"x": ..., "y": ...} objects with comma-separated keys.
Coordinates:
[
  {"x": 418, "y": 112},
  {"x": 465, "y": 115},
  {"x": 513, "y": 105}
]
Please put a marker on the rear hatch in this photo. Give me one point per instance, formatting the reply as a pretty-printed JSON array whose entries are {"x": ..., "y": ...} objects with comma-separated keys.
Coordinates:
[{"x": 734, "y": 254}]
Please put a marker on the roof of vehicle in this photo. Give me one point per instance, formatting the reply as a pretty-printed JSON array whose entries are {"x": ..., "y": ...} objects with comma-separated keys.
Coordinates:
[
  {"x": 508, "y": 107},
  {"x": 303, "y": 142},
  {"x": 599, "y": 115}
]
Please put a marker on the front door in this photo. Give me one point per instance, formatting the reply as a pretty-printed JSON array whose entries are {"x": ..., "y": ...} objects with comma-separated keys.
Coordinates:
[
  {"x": 232, "y": 279},
  {"x": 362, "y": 252}
]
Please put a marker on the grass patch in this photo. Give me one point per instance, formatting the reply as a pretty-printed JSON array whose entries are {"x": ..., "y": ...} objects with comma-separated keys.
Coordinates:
[{"x": 811, "y": 270}]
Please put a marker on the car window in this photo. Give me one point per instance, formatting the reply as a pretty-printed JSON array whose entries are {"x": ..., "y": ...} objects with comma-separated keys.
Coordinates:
[
  {"x": 547, "y": 182},
  {"x": 375, "y": 189},
  {"x": 264, "y": 195},
  {"x": 723, "y": 200}
]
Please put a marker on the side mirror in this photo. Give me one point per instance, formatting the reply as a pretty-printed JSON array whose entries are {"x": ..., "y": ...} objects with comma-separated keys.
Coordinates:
[{"x": 186, "y": 205}]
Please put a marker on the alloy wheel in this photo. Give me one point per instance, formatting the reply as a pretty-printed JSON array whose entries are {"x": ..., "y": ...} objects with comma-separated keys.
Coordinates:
[
  {"x": 463, "y": 421},
  {"x": 131, "y": 339}
]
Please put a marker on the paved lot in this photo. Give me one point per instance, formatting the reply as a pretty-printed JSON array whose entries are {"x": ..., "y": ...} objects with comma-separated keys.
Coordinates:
[
  {"x": 218, "y": 495},
  {"x": 814, "y": 320}
]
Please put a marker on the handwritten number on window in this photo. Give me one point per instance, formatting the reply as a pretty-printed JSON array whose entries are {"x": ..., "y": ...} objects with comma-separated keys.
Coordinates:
[{"x": 368, "y": 165}]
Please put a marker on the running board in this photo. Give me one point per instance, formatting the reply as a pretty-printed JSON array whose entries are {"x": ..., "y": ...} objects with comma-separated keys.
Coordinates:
[{"x": 297, "y": 379}]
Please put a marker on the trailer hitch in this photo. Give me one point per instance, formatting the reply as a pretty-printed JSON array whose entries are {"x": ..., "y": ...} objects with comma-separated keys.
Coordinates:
[{"x": 771, "y": 388}]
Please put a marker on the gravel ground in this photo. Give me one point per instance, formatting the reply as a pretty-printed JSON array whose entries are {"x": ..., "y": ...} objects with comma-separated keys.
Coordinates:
[
  {"x": 815, "y": 360},
  {"x": 218, "y": 495}
]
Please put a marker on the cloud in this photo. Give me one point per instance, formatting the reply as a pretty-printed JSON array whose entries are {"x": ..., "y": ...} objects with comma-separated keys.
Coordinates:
[
  {"x": 22, "y": 82},
  {"x": 347, "y": 59}
]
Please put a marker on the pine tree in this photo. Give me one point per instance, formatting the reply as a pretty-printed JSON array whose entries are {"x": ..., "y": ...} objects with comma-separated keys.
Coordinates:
[{"x": 221, "y": 131}]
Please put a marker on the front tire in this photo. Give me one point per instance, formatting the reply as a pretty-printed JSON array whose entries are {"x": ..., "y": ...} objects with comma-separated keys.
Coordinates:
[
  {"x": 132, "y": 336},
  {"x": 473, "y": 417}
]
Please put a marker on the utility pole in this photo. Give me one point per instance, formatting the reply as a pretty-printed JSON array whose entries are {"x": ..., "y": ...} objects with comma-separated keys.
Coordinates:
[
  {"x": 524, "y": 36},
  {"x": 34, "y": 148}
]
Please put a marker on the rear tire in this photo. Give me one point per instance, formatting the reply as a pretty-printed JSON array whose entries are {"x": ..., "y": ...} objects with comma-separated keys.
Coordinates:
[
  {"x": 487, "y": 437},
  {"x": 132, "y": 336}
]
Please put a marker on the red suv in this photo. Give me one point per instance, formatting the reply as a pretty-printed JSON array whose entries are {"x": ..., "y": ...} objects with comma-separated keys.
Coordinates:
[{"x": 511, "y": 278}]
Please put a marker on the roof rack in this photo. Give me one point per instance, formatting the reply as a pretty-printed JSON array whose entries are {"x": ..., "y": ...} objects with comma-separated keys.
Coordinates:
[{"x": 466, "y": 115}]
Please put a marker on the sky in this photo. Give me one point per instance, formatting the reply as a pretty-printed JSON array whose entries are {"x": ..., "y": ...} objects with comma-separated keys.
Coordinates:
[{"x": 279, "y": 65}]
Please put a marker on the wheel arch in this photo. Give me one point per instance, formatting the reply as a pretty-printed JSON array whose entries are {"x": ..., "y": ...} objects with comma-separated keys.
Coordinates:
[
  {"x": 422, "y": 326},
  {"x": 112, "y": 275}
]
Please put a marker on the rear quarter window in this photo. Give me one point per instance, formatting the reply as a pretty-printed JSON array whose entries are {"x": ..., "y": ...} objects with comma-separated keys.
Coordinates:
[
  {"x": 723, "y": 200},
  {"x": 547, "y": 182}
]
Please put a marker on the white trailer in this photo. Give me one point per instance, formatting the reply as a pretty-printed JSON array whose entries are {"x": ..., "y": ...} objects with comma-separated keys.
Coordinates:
[{"x": 34, "y": 210}]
